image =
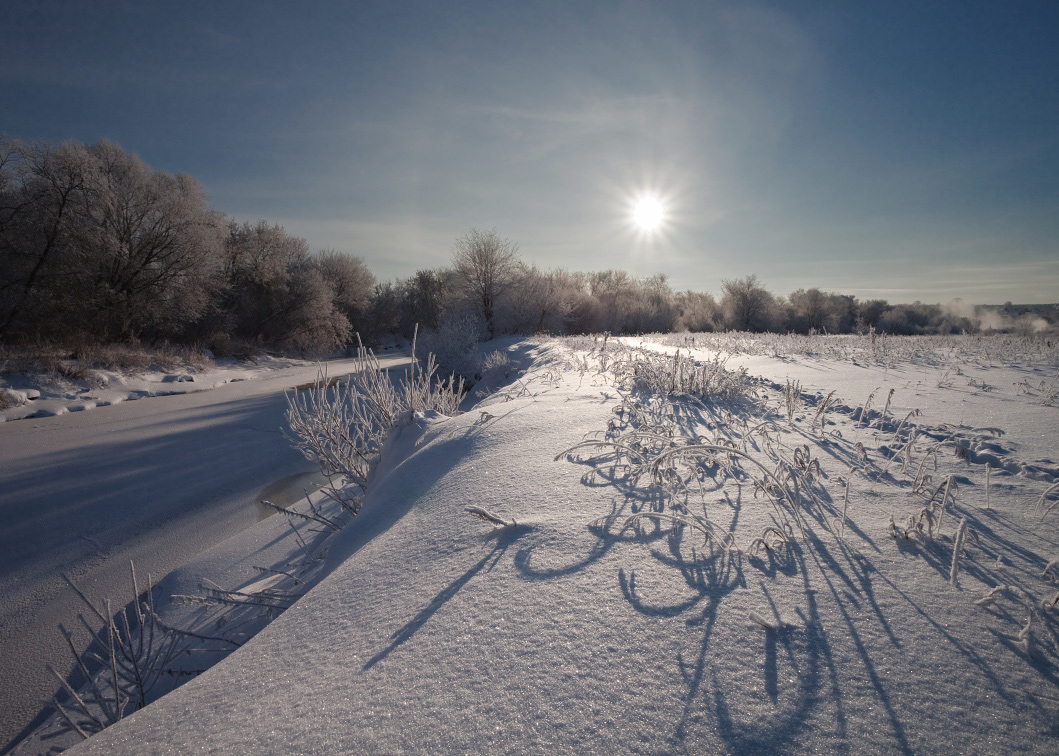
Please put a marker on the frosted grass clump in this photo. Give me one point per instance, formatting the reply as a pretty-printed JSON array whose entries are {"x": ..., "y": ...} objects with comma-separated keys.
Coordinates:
[
  {"x": 134, "y": 653},
  {"x": 343, "y": 427},
  {"x": 681, "y": 375}
]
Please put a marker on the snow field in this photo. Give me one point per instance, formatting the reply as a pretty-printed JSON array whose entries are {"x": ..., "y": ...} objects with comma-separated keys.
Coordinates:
[{"x": 435, "y": 632}]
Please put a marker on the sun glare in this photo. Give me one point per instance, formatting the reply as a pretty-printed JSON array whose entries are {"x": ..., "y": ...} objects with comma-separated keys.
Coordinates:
[{"x": 648, "y": 213}]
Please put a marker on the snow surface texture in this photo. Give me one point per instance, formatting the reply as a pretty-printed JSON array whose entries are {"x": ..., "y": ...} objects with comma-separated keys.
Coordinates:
[{"x": 765, "y": 623}]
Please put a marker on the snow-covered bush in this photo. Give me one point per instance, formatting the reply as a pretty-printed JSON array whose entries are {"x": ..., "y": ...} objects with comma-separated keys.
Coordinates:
[
  {"x": 455, "y": 344},
  {"x": 344, "y": 426},
  {"x": 680, "y": 374},
  {"x": 495, "y": 360}
]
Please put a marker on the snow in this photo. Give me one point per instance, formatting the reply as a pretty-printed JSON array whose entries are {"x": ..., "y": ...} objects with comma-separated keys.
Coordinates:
[
  {"x": 156, "y": 481},
  {"x": 32, "y": 396},
  {"x": 429, "y": 630}
]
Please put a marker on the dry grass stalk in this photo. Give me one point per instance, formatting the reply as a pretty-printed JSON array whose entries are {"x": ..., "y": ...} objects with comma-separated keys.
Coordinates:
[
  {"x": 845, "y": 509},
  {"x": 957, "y": 547},
  {"x": 791, "y": 395},
  {"x": 867, "y": 405},
  {"x": 821, "y": 408},
  {"x": 1054, "y": 488},
  {"x": 988, "y": 487},
  {"x": 487, "y": 516},
  {"x": 886, "y": 408}
]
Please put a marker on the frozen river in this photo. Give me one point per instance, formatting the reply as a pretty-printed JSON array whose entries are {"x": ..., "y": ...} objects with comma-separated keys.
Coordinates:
[{"x": 155, "y": 481}]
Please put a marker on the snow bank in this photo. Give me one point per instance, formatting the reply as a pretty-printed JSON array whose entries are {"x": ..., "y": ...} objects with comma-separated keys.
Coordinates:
[{"x": 49, "y": 396}]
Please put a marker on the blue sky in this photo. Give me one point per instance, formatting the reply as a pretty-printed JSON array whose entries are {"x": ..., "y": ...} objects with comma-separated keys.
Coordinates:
[{"x": 900, "y": 150}]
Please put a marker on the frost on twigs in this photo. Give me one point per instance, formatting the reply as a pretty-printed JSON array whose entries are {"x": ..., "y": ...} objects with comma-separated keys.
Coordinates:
[
  {"x": 1049, "y": 569},
  {"x": 777, "y": 624},
  {"x": 792, "y": 394},
  {"x": 132, "y": 654},
  {"x": 931, "y": 517},
  {"x": 821, "y": 409},
  {"x": 1043, "y": 500},
  {"x": 770, "y": 539},
  {"x": 1024, "y": 640},
  {"x": 211, "y": 593},
  {"x": 343, "y": 427},
  {"x": 314, "y": 514}
]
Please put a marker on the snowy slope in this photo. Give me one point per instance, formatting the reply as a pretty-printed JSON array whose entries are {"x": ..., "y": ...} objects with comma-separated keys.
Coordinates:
[
  {"x": 436, "y": 632},
  {"x": 156, "y": 481}
]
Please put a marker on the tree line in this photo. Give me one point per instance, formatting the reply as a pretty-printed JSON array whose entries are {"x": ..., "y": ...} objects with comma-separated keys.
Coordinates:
[{"x": 95, "y": 246}]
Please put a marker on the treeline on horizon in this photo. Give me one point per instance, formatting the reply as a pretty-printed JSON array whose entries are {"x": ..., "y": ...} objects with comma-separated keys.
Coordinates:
[{"x": 96, "y": 247}]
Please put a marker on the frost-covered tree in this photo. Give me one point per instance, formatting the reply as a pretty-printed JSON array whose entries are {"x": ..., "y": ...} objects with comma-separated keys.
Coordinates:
[
  {"x": 539, "y": 302},
  {"x": 652, "y": 308},
  {"x": 485, "y": 264},
  {"x": 423, "y": 300},
  {"x": 613, "y": 290},
  {"x": 813, "y": 310},
  {"x": 93, "y": 240},
  {"x": 383, "y": 316},
  {"x": 697, "y": 312},
  {"x": 350, "y": 280},
  {"x": 869, "y": 313},
  {"x": 747, "y": 305},
  {"x": 149, "y": 244},
  {"x": 276, "y": 292}
]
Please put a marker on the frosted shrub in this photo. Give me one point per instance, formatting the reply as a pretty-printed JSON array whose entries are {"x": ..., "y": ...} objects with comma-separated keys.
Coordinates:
[
  {"x": 455, "y": 345},
  {"x": 343, "y": 427},
  {"x": 135, "y": 652},
  {"x": 875, "y": 348},
  {"x": 495, "y": 361}
]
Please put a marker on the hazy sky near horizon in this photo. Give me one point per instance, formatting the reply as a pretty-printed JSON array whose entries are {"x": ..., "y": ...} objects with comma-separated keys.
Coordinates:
[{"x": 896, "y": 150}]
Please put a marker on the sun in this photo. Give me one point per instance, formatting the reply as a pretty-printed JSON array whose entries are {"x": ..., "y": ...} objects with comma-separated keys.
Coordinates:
[{"x": 648, "y": 213}]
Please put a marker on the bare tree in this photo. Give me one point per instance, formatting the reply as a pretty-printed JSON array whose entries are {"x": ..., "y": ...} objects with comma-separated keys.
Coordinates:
[
  {"x": 485, "y": 264},
  {"x": 41, "y": 190}
]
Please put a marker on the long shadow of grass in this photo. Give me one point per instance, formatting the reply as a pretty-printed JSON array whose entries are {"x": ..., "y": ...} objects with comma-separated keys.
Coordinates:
[{"x": 504, "y": 538}]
